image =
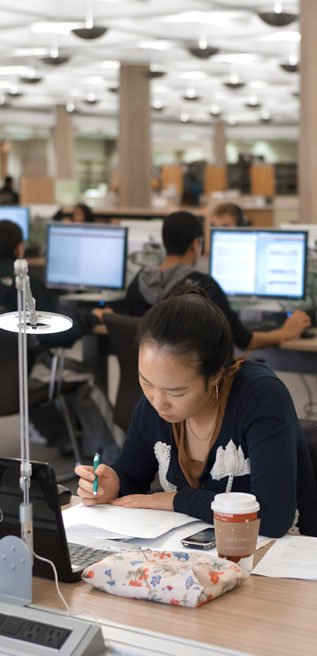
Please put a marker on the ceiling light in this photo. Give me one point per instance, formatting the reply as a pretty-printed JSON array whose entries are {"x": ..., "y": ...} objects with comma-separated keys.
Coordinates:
[
  {"x": 155, "y": 74},
  {"x": 203, "y": 53},
  {"x": 70, "y": 107},
  {"x": 232, "y": 120},
  {"x": 277, "y": 19},
  {"x": 234, "y": 82},
  {"x": 253, "y": 103},
  {"x": 157, "y": 105},
  {"x": 184, "y": 117},
  {"x": 14, "y": 92},
  {"x": 191, "y": 95},
  {"x": 215, "y": 110},
  {"x": 266, "y": 116},
  {"x": 55, "y": 61},
  {"x": 290, "y": 68},
  {"x": 89, "y": 33},
  {"x": 91, "y": 98},
  {"x": 31, "y": 78}
]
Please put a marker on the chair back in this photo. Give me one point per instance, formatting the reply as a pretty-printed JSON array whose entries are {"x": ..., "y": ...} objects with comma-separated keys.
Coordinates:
[
  {"x": 9, "y": 379},
  {"x": 122, "y": 331},
  {"x": 309, "y": 427}
]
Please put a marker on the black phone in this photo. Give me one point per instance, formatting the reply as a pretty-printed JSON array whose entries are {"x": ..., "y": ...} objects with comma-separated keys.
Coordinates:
[{"x": 202, "y": 540}]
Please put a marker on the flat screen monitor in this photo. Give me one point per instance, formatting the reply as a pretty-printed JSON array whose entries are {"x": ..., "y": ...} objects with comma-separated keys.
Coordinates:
[
  {"x": 84, "y": 256},
  {"x": 17, "y": 214},
  {"x": 259, "y": 263}
]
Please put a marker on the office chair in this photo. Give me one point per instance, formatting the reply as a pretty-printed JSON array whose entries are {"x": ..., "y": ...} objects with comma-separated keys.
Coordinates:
[
  {"x": 38, "y": 392},
  {"x": 122, "y": 331},
  {"x": 309, "y": 427}
]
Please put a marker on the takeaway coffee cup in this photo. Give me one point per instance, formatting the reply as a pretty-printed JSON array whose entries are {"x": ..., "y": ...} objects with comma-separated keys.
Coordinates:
[{"x": 236, "y": 526}]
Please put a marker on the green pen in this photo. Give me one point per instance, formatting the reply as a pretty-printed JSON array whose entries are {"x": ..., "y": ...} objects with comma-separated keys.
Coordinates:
[{"x": 96, "y": 462}]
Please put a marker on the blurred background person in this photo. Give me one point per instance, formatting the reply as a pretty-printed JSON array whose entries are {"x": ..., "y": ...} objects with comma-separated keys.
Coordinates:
[
  {"x": 8, "y": 196},
  {"x": 228, "y": 215}
]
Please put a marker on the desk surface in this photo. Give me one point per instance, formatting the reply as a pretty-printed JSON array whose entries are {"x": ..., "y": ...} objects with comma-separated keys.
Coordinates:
[{"x": 264, "y": 616}]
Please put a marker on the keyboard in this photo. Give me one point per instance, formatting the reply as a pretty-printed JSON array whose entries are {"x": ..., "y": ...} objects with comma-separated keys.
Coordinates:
[
  {"x": 81, "y": 557},
  {"x": 262, "y": 326}
]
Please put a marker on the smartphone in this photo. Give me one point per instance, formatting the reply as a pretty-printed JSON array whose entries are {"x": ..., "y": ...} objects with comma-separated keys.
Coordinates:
[{"x": 202, "y": 540}]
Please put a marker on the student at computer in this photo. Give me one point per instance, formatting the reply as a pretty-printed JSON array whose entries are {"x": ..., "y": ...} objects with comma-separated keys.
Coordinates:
[
  {"x": 8, "y": 195},
  {"x": 182, "y": 238},
  {"x": 229, "y": 215},
  {"x": 207, "y": 424},
  {"x": 81, "y": 213}
]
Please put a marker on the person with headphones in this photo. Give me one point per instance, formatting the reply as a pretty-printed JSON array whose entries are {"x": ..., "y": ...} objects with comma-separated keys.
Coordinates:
[{"x": 229, "y": 215}]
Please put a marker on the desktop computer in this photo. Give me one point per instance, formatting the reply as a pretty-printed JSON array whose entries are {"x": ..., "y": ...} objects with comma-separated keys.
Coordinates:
[{"x": 84, "y": 256}]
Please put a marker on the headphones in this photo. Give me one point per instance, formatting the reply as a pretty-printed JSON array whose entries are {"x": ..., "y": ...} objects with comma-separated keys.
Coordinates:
[{"x": 240, "y": 216}]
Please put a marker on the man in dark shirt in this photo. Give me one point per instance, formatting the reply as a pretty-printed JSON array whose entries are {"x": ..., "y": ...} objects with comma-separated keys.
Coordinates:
[
  {"x": 182, "y": 238},
  {"x": 7, "y": 194}
]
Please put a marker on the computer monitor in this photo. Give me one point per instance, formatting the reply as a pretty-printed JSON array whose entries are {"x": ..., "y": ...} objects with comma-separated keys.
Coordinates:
[
  {"x": 84, "y": 256},
  {"x": 251, "y": 262},
  {"x": 17, "y": 214}
]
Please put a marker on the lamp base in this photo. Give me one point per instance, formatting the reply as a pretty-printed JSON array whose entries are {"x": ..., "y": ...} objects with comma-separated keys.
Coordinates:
[{"x": 15, "y": 571}]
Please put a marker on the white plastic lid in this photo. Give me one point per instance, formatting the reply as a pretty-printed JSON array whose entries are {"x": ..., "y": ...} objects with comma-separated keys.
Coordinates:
[{"x": 235, "y": 503}]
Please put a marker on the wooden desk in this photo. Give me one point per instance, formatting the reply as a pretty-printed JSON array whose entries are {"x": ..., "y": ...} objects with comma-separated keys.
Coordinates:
[
  {"x": 264, "y": 617},
  {"x": 297, "y": 355}
]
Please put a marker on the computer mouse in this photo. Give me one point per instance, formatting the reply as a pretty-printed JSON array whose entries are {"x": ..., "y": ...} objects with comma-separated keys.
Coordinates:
[
  {"x": 308, "y": 333},
  {"x": 64, "y": 494}
]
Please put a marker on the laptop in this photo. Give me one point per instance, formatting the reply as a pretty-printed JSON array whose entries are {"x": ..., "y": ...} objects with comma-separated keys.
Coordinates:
[{"x": 49, "y": 536}]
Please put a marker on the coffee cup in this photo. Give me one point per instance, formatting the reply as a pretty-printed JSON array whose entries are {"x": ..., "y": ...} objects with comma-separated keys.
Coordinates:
[{"x": 236, "y": 526}]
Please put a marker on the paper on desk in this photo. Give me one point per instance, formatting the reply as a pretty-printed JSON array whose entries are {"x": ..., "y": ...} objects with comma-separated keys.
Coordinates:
[
  {"x": 292, "y": 557},
  {"x": 127, "y": 522}
]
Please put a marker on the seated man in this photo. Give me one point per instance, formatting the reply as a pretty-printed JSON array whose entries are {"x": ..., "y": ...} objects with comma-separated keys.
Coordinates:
[
  {"x": 228, "y": 215},
  {"x": 182, "y": 239}
]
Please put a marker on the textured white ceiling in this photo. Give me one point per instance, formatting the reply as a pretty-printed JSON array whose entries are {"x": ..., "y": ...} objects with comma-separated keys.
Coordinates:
[{"x": 158, "y": 32}]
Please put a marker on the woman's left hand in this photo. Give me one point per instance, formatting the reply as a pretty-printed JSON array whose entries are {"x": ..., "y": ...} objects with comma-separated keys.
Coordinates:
[{"x": 155, "y": 501}]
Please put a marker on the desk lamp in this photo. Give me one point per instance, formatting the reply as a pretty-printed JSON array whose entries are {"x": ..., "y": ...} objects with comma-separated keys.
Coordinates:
[{"x": 15, "y": 553}]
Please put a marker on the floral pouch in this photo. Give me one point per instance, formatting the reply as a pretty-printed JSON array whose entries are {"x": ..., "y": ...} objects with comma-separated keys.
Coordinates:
[{"x": 169, "y": 577}]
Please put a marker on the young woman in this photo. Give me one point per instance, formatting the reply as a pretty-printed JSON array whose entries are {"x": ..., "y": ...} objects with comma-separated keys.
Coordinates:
[{"x": 207, "y": 424}]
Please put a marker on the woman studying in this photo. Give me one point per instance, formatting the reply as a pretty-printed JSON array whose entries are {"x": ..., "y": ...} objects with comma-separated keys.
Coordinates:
[{"x": 207, "y": 424}]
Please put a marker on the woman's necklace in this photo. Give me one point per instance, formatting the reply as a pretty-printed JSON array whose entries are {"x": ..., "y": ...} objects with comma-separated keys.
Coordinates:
[{"x": 201, "y": 439}]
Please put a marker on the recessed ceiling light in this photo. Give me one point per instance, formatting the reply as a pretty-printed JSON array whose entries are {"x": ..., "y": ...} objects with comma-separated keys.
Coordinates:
[
  {"x": 192, "y": 75},
  {"x": 110, "y": 63},
  {"x": 184, "y": 117}
]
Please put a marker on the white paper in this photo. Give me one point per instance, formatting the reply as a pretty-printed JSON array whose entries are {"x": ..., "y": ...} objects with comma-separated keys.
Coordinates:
[
  {"x": 136, "y": 522},
  {"x": 292, "y": 557}
]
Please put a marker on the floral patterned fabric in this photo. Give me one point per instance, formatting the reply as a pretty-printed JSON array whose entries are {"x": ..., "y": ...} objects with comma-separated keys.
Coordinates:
[{"x": 169, "y": 577}]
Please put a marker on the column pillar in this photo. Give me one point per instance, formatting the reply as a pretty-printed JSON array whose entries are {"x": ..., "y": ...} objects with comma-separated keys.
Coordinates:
[
  {"x": 134, "y": 146},
  {"x": 308, "y": 113},
  {"x": 63, "y": 145},
  {"x": 219, "y": 143}
]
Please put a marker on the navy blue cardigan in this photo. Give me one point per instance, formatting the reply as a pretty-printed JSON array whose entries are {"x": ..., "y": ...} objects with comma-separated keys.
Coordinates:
[{"x": 260, "y": 444}]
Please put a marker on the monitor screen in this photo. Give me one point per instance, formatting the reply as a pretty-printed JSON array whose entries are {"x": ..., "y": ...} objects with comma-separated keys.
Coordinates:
[
  {"x": 85, "y": 256},
  {"x": 19, "y": 215},
  {"x": 259, "y": 263}
]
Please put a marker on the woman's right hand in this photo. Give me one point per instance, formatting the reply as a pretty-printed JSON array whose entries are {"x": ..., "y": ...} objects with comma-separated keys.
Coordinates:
[{"x": 108, "y": 484}]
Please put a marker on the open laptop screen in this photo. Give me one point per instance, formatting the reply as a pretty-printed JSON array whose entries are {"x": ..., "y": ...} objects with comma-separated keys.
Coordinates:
[
  {"x": 85, "y": 256},
  {"x": 48, "y": 528}
]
